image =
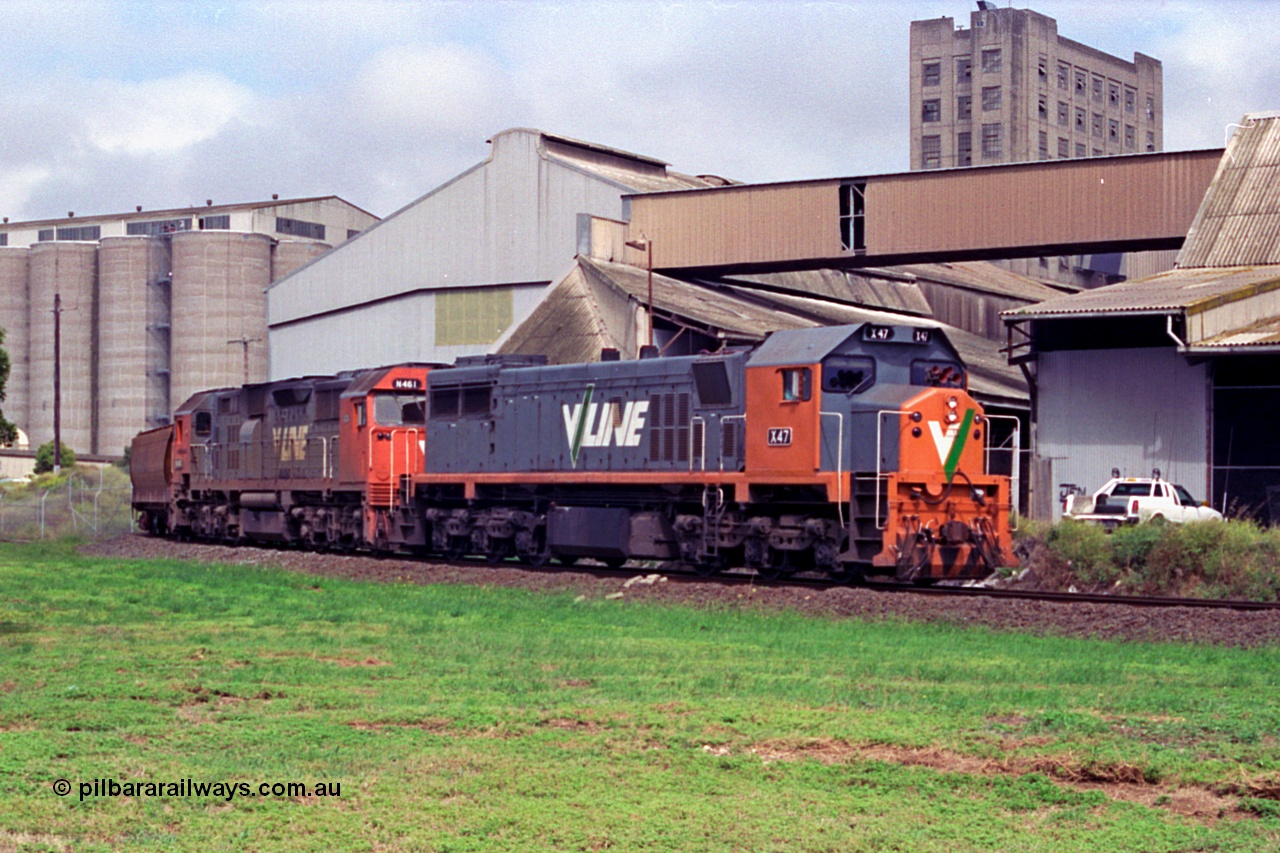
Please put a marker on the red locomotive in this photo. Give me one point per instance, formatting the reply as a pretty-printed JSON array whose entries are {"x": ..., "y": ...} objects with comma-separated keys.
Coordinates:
[{"x": 848, "y": 450}]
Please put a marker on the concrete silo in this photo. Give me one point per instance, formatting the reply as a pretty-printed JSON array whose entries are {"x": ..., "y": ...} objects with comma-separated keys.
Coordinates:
[
  {"x": 133, "y": 338},
  {"x": 289, "y": 255},
  {"x": 219, "y": 326},
  {"x": 70, "y": 269},
  {"x": 14, "y": 320}
]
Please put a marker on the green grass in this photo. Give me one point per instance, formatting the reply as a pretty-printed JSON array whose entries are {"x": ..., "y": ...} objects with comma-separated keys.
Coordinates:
[{"x": 473, "y": 718}]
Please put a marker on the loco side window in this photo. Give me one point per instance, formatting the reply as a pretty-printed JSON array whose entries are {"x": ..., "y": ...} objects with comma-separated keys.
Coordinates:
[
  {"x": 797, "y": 383},
  {"x": 361, "y": 419},
  {"x": 937, "y": 374},
  {"x": 848, "y": 374},
  {"x": 204, "y": 424}
]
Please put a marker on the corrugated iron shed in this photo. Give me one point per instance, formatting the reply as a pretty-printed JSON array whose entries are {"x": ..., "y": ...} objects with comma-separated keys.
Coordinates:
[
  {"x": 873, "y": 288},
  {"x": 586, "y": 310},
  {"x": 1173, "y": 291},
  {"x": 1239, "y": 220}
]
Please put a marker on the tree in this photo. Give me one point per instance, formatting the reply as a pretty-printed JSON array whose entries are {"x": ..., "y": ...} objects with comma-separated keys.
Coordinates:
[
  {"x": 8, "y": 432},
  {"x": 44, "y": 457}
]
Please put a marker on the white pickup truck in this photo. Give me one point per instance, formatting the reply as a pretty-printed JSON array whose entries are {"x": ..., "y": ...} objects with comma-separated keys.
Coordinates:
[{"x": 1128, "y": 500}]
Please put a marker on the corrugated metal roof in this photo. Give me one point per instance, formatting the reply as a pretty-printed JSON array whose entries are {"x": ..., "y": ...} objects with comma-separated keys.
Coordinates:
[
  {"x": 1239, "y": 219},
  {"x": 1175, "y": 290},
  {"x": 985, "y": 277},
  {"x": 570, "y": 325},
  {"x": 890, "y": 291},
  {"x": 1264, "y": 334}
]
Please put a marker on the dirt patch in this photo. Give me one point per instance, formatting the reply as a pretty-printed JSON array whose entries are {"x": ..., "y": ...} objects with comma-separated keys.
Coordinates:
[
  {"x": 432, "y": 725},
  {"x": 1082, "y": 619},
  {"x": 1117, "y": 781}
]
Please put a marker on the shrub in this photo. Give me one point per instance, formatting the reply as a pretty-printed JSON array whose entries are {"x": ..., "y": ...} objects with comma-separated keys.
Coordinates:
[
  {"x": 44, "y": 457},
  {"x": 1086, "y": 550}
]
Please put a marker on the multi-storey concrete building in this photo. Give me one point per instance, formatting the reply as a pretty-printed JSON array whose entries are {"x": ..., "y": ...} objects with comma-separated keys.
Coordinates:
[{"x": 1010, "y": 89}]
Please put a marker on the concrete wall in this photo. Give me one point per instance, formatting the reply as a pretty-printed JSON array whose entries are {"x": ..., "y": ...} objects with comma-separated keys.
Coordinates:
[{"x": 1132, "y": 409}]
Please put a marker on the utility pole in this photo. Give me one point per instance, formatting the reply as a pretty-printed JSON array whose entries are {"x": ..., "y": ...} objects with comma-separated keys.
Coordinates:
[
  {"x": 244, "y": 342},
  {"x": 57, "y": 383},
  {"x": 645, "y": 244}
]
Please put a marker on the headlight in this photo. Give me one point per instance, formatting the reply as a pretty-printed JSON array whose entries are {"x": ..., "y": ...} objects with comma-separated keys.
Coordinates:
[
  {"x": 952, "y": 402},
  {"x": 952, "y": 417}
]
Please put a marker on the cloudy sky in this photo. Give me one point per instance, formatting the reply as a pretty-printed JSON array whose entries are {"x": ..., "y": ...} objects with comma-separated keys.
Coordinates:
[{"x": 105, "y": 105}]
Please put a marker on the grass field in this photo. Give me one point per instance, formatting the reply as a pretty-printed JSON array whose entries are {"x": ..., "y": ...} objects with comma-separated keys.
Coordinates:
[{"x": 470, "y": 718}]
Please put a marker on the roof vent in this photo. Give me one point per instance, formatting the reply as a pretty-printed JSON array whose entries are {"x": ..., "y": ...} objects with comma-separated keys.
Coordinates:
[
  {"x": 275, "y": 196},
  {"x": 208, "y": 202}
]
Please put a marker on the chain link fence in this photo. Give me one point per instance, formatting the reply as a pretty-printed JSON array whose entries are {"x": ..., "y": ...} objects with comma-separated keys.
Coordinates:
[{"x": 91, "y": 502}]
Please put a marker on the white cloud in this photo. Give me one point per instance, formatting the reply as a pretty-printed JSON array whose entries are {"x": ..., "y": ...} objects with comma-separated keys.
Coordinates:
[
  {"x": 164, "y": 116},
  {"x": 435, "y": 88},
  {"x": 17, "y": 185}
]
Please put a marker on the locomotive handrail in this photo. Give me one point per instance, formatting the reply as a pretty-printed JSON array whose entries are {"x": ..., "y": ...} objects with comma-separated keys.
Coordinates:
[
  {"x": 698, "y": 419},
  {"x": 880, "y": 475},
  {"x": 1015, "y": 464},
  {"x": 839, "y": 461}
]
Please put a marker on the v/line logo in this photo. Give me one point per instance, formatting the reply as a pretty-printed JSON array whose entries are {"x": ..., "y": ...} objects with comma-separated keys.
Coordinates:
[
  {"x": 589, "y": 424},
  {"x": 949, "y": 448}
]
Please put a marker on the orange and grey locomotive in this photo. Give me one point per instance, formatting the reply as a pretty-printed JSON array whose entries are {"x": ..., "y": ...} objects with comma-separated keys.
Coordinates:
[{"x": 849, "y": 450}]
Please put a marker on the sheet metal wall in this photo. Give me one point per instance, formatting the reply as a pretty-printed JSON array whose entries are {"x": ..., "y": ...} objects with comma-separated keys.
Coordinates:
[
  {"x": 14, "y": 307},
  {"x": 70, "y": 269},
  {"x": 1132, "y": 409},
  {"x": 936, "y": 215}
]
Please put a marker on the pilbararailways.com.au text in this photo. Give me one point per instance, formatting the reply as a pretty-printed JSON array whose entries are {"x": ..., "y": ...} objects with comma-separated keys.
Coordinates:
[{"x": 190, "y": 788}]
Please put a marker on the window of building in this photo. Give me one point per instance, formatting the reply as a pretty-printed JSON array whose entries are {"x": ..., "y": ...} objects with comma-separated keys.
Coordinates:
[
  {"x": 1064, "y": 76},
  {"x": 964, "y": 149},
  {"x": 1044, "y": 263},
  {"x": 1080, "y": 149},
  {"x": 1080, "y": 119},
  {"x": 964, "y": 70},
  {"x": 82, "y": 232},
  {"x": 1097, "y": 125},
  {"x": 1097, "y": 89},
  {"x": 1130, "y": 137},
  {"x": 853, "y": 219},
  {"x": 931, "y": 110},
  {"x": 1064, "y": 113},
  {"x": 990, "y": 98},
  {"x": 1064, "y": 262},
  {"x": 1097, "y": 152},
  {"x": 1082, "y": 79},
  {"x": 157, "y": 227},
  {"x": 44, "y": 234},
  {"x": 992, "y": 142},
  {"x": 1113, "y": 130},
  {"x": 964, "y": 107},
  {"x": 1044, "y": 145},
  {"x": 1113, "y": 94},
  {"x": 1043, "y": 70},
  {"x": 1130, "y": 100},
  {"x": 931, "y": 152},
  {"x": 1151, "y": 108},
  {"x": 933, "y": 73},
  {"x": 1042, "y": 108},
  {"x": 351, "y": 232},
  {"x": 298, "y": 228},
  {"x": 1151, "y": 140},
  {"x": 466, "y": 316},
  {"x": 4, "y": 239},
  {"x": 1064, "y": 147},
  {"x": 991, "y": 60},
  {"x": 219, "y": 223}
]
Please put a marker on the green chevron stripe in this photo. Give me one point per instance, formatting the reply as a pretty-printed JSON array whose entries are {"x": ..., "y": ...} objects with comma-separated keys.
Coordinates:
[
  {"x": 581, "y": 427},
  {"x": 957, "y": 446}
]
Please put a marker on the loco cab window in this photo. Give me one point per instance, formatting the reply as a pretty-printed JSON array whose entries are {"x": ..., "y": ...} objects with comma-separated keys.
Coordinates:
[
  {"x": 797, "y": 384},
  {"x": 394, "y": 409},
  {"x": 937, "y": 374},
  {"x": 204, "y": 424},
  {"x": 848, "y": 374}
]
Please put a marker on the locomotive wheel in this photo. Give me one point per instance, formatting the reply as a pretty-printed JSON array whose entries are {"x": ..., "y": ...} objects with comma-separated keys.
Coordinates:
[
  {"x": 709, "y": 566},
  {"x": 499, "y": 550},
  {"x": 535, "y": 561},
  {"x": 457, "y": 547},
  {"x": 614, "y": 563},
  {"x": 779, "y": 566}
]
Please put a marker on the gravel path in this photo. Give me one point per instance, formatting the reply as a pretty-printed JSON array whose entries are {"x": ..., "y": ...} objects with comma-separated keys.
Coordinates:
[{"x": 1110, "y": 621}]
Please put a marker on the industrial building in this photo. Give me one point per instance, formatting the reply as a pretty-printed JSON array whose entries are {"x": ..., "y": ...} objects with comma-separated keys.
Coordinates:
[
  {"x": 154, "y": 305},
  {"x": 1009, "y": 88},
  {"x": 1177, "y": 371},
  {"x": 446, "y": 275}
]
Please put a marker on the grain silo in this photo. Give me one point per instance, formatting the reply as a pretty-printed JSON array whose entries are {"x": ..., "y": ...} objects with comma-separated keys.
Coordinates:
[
  {"x": 289, "y": 255},
  {"x": 14, "y": 321},
  {"x": 69, "y": 269},
  {"x": 133, "y": 338},
  {"x": 219, "y": 326}
]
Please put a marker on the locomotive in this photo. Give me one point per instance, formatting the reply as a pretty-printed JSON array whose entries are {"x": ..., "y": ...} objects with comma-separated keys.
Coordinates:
[{"x": 843, "y": 450}]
